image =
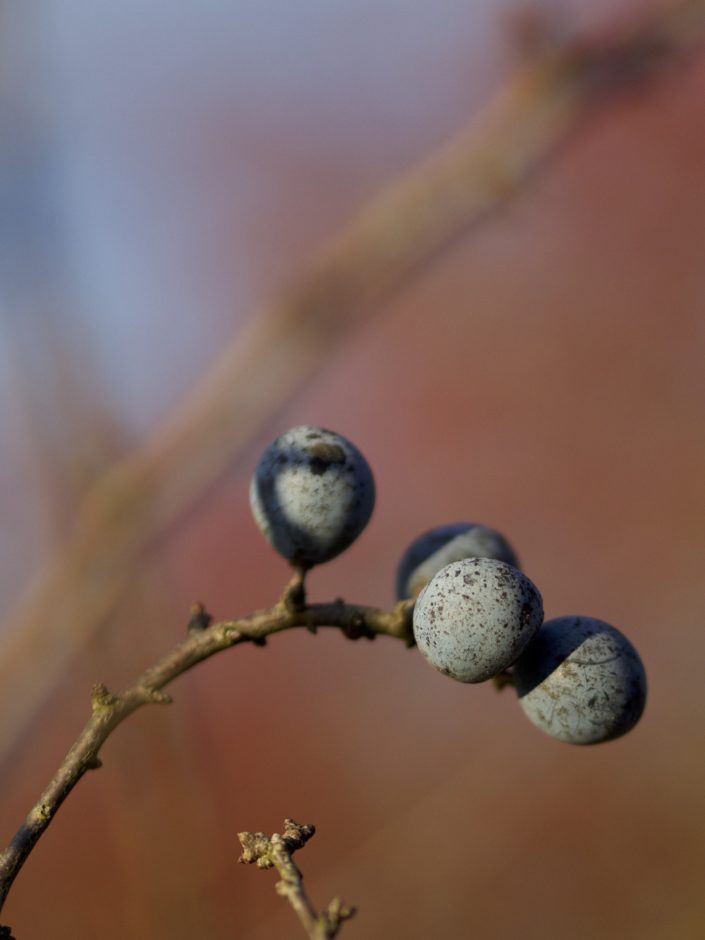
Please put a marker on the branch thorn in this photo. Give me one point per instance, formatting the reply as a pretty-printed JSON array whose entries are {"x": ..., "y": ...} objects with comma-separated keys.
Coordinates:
[{"x": 199, "y": 620}]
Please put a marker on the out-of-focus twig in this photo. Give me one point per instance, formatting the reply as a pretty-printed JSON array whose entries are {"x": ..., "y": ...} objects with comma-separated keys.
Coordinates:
[
  {"x": 403, "y": 228},
  {"x": 276, "y": 851}
]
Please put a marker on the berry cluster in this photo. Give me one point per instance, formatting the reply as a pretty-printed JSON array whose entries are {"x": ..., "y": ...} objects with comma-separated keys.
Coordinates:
[{"x": 476, "y": 615}]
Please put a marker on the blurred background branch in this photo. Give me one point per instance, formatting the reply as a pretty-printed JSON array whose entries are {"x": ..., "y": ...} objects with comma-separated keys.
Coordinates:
[{"x": 131, "y": 502}]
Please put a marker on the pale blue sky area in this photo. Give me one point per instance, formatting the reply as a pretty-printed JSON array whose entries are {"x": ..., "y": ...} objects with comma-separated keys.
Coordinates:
[{"x": 150, "y": 132}]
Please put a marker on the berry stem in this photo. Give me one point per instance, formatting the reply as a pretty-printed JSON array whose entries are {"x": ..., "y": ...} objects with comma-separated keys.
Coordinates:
[
  {"x": 294, "y": 596},
  {"x": 502, "y": 680}
]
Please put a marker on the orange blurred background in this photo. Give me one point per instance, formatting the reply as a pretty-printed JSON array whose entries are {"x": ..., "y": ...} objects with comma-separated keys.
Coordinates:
[{"x": 164, "y": 172}]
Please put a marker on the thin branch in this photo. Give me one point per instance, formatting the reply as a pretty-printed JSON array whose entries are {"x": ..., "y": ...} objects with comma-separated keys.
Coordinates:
[
  {"x": 276, "y": 852},
  {"x": 110, "y": 710},
  {"x": 401, "y": 230}
]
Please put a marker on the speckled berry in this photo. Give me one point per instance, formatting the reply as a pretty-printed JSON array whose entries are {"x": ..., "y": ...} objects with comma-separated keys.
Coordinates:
[
  {"x": 436, "y": 548},
  {"x": 474, "y": 618},
  {"x": 581, "y": 681},
  {"x": 312, "y": 494}
]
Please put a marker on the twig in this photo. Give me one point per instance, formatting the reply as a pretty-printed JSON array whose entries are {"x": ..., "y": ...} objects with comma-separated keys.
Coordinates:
[
  {"x": 110, "y": 710},
  {"x": 276, "y": 852},
  {"x": 402, "y": 229}
]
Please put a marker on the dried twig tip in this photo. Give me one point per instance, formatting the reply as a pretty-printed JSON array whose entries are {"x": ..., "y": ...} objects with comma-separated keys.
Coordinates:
[
  {"x": 276, "y": 852},
  {"x": 296, "y": 835},
  {"x": 256, "y": 848}
]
